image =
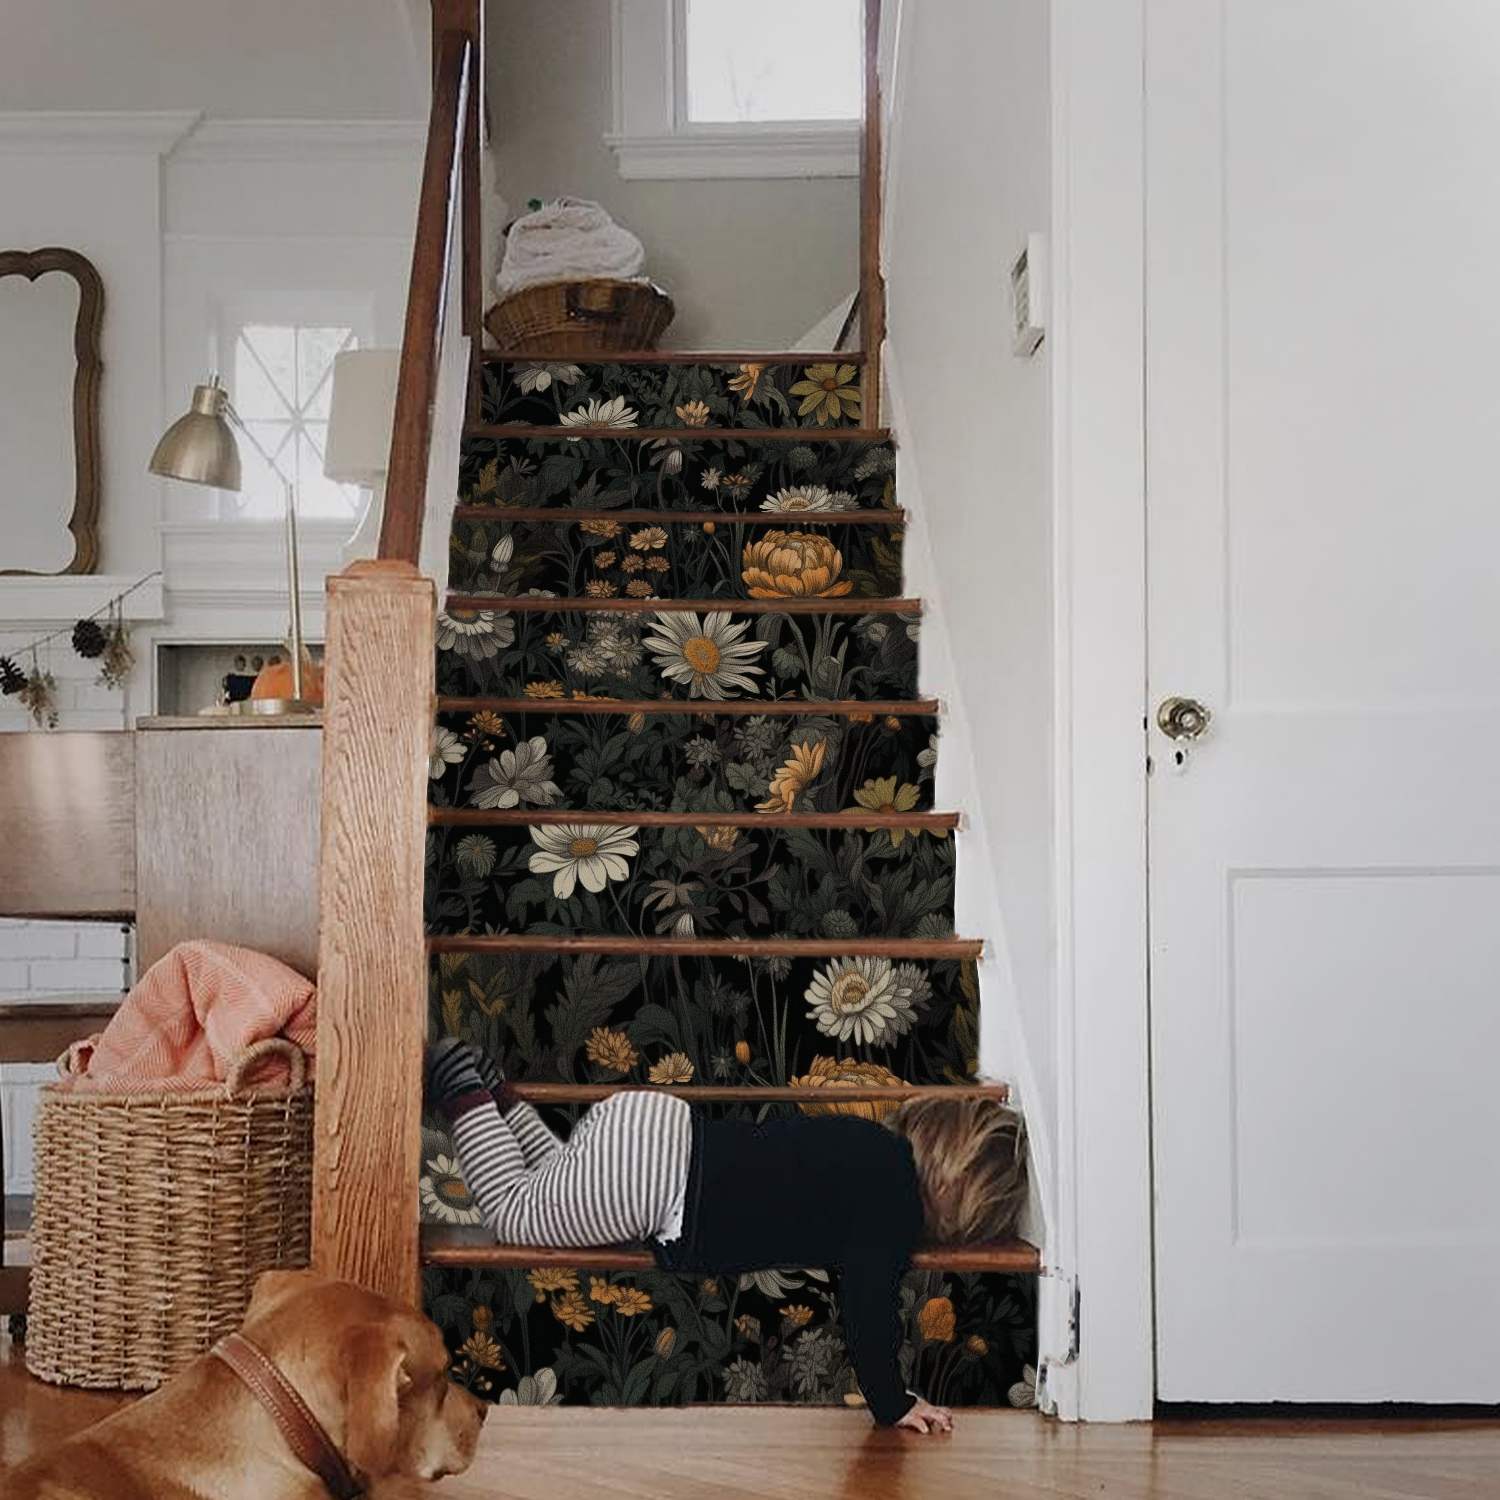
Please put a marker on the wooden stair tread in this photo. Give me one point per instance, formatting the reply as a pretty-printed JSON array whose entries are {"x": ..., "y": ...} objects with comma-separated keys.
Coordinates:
[
  {"x": 567, "y": 515},
  {"x": 531, "y": 603},
  {"x": 729, "y": 707},
  {"x": 465, "y": 1245},
  {"x": 560, "y": 433},
  {"x": 671, "y": 357},
  {"x": 479, "y": 817},
  {"x": 959, "y": 949}
]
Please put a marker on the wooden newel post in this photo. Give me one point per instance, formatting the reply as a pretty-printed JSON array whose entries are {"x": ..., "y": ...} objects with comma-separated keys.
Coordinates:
[{"x": 372, "y": 970}]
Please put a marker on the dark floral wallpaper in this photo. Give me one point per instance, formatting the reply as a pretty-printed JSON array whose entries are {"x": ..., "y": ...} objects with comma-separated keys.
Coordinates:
[
  {"x": 761, "y": 532},
  {"x": 779, "y": 476},
  {"x": 824, "y": 394},
  {"x": 604, "y": 558},
  {"x": 710, "y": 655}
]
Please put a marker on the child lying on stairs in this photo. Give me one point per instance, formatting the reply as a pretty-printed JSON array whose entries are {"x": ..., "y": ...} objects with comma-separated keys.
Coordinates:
[{"x": 723, "y": 1197}]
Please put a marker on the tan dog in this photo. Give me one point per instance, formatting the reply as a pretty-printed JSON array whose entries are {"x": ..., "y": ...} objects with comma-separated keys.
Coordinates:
[{"x": 370, "y": 1371}]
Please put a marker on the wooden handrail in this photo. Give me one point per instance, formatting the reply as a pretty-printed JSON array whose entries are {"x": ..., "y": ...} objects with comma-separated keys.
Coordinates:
[{"x": 427, "y": 295}]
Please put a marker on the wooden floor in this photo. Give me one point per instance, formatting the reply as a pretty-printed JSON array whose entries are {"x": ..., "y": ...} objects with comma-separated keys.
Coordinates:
[{"x": 791, "y": 1454}]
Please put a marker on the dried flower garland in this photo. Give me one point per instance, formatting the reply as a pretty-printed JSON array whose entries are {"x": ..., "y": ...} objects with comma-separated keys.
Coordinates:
[
  {"x": 105, "y": 640},
  {"x": 39, "y": 695}
]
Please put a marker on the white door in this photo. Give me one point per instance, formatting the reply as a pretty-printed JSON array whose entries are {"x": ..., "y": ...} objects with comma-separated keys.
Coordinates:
[{"x": 1323, "y": 477}]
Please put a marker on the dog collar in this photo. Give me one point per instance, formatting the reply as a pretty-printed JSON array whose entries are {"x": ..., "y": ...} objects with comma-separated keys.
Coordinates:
[{"x": 301, "y": 1429}]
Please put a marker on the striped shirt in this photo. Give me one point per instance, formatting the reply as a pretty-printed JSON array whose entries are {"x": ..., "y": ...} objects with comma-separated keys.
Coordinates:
[{"x": 621, "y": 1176}]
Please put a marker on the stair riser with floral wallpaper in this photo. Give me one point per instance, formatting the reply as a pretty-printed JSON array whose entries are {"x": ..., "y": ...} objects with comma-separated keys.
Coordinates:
[
  {"x": 601, "y": 558},
  {"x": 675, "y": 626},
  {"x": 782, "y": 477},
  {"x": 643, "y": 761},
  {"x": 709, "y": 655},
  {"x": 823, "y": 395},
  {"x": 655, "y": 1339},
  {"x": 586, "y": 1018},
  {"x": 707, "y": 880}
]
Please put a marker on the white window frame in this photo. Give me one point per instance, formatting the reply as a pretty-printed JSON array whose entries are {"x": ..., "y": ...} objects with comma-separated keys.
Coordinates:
[
  {"x": 284, "y": 308},
  {"x": 652, "y": 138}
]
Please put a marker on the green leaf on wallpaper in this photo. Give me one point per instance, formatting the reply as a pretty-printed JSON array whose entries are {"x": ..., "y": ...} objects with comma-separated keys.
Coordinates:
[
  {"x": 591, "y": 990},
  {"x": 653, "y": 1023}
]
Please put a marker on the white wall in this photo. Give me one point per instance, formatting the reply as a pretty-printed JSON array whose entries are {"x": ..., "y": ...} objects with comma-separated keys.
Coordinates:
[
  {"x": 181, "y": 216},
  {"x": 969, "y": 171},
  {"x": 309, "y": 59},
  {"x": 750, "y": 264}
]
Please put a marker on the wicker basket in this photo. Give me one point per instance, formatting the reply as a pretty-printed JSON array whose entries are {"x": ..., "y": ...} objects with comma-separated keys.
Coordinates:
[
  {"x": 581, "y": 317},
  {"x": 154, "y": 1215}
]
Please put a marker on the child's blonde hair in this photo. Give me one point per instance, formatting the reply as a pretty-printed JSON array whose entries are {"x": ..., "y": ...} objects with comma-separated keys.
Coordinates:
[{"x": 971, "y": 1165}]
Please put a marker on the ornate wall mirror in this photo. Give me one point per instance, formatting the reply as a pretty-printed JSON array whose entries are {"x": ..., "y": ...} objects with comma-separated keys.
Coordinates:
[{"x": 51, "y": 304}]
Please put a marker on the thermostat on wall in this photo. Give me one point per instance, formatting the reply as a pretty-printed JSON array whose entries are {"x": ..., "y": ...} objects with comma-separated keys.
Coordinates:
[{"x": 1028, "y": 295}]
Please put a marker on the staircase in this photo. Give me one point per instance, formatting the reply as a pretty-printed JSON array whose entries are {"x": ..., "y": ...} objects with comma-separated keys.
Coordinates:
[{"x": 682, "y": 835}]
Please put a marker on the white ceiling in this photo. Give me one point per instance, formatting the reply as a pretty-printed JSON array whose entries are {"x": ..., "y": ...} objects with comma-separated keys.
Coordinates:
[{"x": 237, "y": 59}]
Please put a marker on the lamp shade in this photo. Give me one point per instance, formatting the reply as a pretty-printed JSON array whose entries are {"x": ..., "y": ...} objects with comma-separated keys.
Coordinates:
[
  {"x": 200, "y": 447},
  {"x": 359, "y": 424}
]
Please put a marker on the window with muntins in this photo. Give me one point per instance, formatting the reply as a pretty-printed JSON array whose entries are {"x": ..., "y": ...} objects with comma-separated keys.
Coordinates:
[{"x": 281, "y": 381}]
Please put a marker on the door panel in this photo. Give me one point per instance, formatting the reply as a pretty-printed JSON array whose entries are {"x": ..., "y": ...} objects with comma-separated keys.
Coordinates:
[{"x": 1323, "y": 333}]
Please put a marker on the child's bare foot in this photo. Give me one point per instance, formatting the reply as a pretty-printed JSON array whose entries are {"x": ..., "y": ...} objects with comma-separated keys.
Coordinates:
[{"x": 924, "y": 1417}]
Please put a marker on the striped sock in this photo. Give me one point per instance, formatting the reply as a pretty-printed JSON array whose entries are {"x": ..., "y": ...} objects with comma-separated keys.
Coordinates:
[{"x": 453, "y": 1069}]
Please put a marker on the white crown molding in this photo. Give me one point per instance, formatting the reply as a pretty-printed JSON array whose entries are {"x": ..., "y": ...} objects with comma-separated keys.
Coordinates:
[
  {"x": 95, "y": 133},
  {"x": 296, "y": 140},
  {"x": 749, "y": 153},
  {"x": 27, "y": 603}
]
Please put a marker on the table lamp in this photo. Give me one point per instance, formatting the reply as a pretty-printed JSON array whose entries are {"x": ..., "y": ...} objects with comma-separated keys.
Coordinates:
[{"x": 200, "y": 448}]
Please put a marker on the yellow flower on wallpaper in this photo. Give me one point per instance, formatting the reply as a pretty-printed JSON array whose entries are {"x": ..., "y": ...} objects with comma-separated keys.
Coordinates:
[
  {"x": 552, "y": 689},
  {"x": 799, "y": 1315},
  {"x": 631, "y": 1302},
  {"x": 483, "y": 1350},
  {"x": 666, "y": 1342},
  {"x": 720, "y": 837},
  {"x": 573, "y": 1312},
  {"x": 744, "y": 384},
  {"x": 693, "y": 414},
  {"x": 611, "y": 1050},
  {"x": 936, "y": 1321},
  {"x": 794, "y": 565},
  {"x": 827, "y": 392},
  {"x": 545, "y": 1280},
  {"x": 884, "y": 795},
  {"x": 675, "y": 1067},
  {"x": 831, "y": 1074},
  {"x": 601, "y": 1291},
  {"x": 487, "y": 723},
  {"x": 792, "y": 779},
  {"x": 598, "y": 527}
]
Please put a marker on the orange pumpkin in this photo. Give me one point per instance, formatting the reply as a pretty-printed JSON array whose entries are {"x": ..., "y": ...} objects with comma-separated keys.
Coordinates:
[{"x": 274, "y": 680}]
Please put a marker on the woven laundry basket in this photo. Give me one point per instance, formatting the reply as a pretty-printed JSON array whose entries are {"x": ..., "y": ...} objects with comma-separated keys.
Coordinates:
[
  {"x": 154, "y": 1215},
  {"x": 581, "y": 317}
]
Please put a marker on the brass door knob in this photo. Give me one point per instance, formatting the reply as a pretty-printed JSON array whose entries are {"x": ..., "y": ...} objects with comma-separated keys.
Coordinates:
[{"x": 1182, "y": 718}]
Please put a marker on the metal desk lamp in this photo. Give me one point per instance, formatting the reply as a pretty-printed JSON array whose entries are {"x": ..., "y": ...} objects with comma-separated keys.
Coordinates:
[{"x": 200, "y": 448}]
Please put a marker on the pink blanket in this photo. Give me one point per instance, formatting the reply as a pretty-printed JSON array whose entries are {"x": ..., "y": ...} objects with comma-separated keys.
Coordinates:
[{"x": 190, "y": 1016}]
